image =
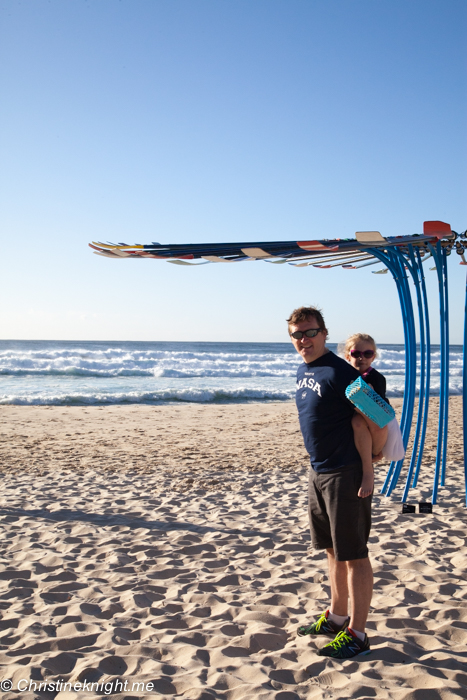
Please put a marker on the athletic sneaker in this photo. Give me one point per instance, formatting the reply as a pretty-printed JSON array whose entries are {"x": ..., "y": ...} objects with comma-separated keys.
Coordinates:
[
  {"x": 323, "y": 625},
  {"x": 345, "y": 646}
]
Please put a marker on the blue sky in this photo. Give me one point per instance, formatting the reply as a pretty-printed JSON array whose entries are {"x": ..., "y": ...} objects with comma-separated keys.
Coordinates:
[{"x": 222, "y": 120}]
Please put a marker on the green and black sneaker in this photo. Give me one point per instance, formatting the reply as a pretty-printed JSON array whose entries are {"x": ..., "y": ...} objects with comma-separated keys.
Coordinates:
[
  {"x": 323, "y": 625},
  {"x": 345, "y": 646}
]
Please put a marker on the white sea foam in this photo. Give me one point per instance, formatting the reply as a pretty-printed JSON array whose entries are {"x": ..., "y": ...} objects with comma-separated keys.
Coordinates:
[
  {"x": 91, "y": 373},
  {"x": 188, "y": 394},
  {"x": 140, "y": 364}
]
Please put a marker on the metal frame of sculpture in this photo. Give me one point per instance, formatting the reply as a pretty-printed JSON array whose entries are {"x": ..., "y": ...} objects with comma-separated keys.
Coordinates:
[{"x": 403, "y": 257}]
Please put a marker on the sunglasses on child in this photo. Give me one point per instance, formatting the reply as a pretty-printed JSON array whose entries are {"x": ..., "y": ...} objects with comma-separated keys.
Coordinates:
[
  {"x": 311, "y": 333},
  {"x": 358, "y": 354}
]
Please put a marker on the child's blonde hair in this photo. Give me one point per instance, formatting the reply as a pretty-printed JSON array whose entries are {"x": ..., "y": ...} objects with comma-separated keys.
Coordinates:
[{"x": 344, "y": 348}]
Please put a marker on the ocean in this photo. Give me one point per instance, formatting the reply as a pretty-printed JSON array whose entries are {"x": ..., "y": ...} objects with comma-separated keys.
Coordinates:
[{"x": 88, "y": 372}]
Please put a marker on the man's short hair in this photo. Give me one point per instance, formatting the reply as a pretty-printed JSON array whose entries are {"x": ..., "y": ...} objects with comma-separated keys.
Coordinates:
[{"x": 305, "y": 313}]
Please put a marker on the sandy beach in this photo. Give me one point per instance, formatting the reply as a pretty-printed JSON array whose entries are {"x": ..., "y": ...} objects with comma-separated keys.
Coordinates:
[{"x": 169, "y": 546}]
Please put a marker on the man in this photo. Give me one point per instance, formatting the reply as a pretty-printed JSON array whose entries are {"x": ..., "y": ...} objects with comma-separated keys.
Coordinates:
[{"x": 340, "y": 521}]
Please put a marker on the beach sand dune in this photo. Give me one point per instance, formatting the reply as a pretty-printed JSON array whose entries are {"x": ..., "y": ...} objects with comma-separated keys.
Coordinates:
[{"x": 169, "y": 545}]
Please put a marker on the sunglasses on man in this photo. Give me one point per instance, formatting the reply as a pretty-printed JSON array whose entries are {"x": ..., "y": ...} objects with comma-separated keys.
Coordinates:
[
  {"x": 311, "y": 333},
  {"x": 357, "y": 354}
]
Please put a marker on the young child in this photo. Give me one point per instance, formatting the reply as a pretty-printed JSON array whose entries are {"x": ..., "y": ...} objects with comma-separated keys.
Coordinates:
[{"x": 360, "y": 350}]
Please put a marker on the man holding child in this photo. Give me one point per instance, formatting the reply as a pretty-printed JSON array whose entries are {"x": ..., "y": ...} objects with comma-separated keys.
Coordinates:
[{"x": 340, "y": 520}]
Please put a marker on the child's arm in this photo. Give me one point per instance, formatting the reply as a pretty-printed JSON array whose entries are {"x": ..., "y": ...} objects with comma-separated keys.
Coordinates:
[{"x": 377, "y": 381}]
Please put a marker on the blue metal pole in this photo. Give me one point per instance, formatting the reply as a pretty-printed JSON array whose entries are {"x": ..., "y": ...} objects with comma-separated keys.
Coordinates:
[
  {"x": 387, "y": 260},
  {"x": 464, "y": 393},
  {"x": 413, "y": 268},
  {"x": 445, "y": 367},
  {"x": 437, "y": 258},
  {"x": 428, "y": 367},
  {"x": 411, "y": 363},
  {"x": 396, "y": 267},
  {"x": 406, "y": 302},
  {"x": 412, "y": 350}
]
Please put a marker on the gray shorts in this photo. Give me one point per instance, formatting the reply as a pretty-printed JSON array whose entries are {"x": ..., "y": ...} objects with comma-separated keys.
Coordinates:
[{"x": 339, "y": 519}]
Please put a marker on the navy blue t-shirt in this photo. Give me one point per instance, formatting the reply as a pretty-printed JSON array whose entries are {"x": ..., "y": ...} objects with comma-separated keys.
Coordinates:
[{"x": 325, "y": 413}]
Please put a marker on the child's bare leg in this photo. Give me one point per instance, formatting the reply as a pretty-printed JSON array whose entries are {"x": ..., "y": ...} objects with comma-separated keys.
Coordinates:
[
  {"x": 378, "y": 436},
  {"x": 363, "y": 443}
]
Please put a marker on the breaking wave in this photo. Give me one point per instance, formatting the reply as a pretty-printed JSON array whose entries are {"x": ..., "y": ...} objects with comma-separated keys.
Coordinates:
[
  {"x": 77, "y": 373},
  {"x": 189, "y": 394}
]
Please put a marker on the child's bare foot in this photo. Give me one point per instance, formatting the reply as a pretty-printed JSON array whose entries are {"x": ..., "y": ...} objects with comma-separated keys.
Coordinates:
[
  {"x": 376, "y": 458},
  {"x": 366, "y": 488}
]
